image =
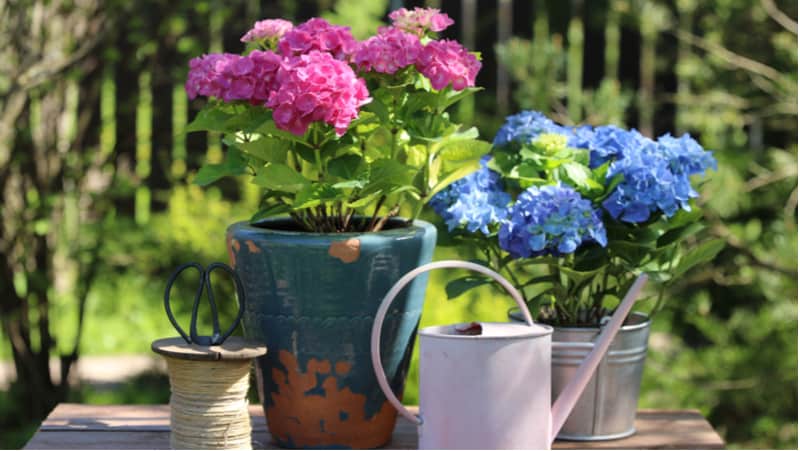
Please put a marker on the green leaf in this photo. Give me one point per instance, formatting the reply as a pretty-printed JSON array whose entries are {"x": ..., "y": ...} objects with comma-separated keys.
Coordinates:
[
  {"x": 539, "y": 280},
  {"x": 683, "y": 217},
  {"x": 419, "y": 100},
  {"x": 632, "y": 252},
  {"x": 266, "y": 149},
  {"x": 417, "y": 156},
  {"x": 580, "y": 276},
  {"x": 457, "y": 287},
  {"x": 454, "y": 96},
  {"x": 234, "y": 164},
  {"x": 350, "y": 184},
  {"x": 451, "y": 177},
  {"x": 348, "y": 167},
  {"x": 599, "y": 173},
  {"x": 675, "y": 235},
  {"x": 578, "y": 174},
  {"x": 249, "y": 120},
  {"x": 363, "y": 201},
  {"x": 316, "y": 194},
  {"x": 269, "y": 128},
  {"x": 659, "y": 276},
  {"x": 212, "y": 119},
  {"x": 703, "y": 253},
  {"x": 611, "y": 186},
  {"x": 463, "y": 150},
  {"x": 379, "y": 109},
  {"x": 590, "y": 258},
  {"x": 387, "y": 174},
  {"x": 273, "y": 210},
  {"x": 280, "y": 177},
  {"x": 528, "y": 170}
]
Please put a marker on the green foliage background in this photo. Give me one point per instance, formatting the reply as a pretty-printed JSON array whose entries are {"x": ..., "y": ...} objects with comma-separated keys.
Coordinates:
[{"x": 726, "y": 343}]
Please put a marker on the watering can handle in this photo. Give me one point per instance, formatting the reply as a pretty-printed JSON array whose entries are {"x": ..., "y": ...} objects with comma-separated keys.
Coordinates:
[{"x": 375, "y": 344}]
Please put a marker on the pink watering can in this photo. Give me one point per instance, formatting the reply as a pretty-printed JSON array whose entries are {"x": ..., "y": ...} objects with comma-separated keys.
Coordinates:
[{"x": 487, "y": 386}]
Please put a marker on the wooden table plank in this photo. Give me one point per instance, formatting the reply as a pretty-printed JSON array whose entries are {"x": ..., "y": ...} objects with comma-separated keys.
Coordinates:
[{"x": 81, "y": 426}]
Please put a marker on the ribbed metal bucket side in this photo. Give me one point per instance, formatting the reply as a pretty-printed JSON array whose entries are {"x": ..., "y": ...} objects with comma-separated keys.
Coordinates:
[{"x": 607, "y": 408}]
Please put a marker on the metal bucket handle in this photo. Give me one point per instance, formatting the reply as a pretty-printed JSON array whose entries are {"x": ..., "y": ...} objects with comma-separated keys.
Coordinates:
[{"x": 375, "y": 344}]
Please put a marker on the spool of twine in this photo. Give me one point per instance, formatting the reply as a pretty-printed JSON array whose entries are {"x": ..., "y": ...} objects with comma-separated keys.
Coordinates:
[{"x": 209, "y": 404}]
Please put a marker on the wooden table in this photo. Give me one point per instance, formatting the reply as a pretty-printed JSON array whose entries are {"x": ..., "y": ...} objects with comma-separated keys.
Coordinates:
[{"x": 80, "y": 426}]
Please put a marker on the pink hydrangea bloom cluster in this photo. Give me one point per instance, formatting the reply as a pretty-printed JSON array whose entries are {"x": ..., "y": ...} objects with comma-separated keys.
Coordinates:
[
  {"x": 420, "y": 20},
  {"x": 318, "y": 34},
  {"x": 388, "y": 51},
  {"x": 233, "y": 77},
  {"x": 310, "y": 79},
  {"x": 445, "y": 62},
  {"x": 316, "y": 87},
  {"x": 269, "y": 29}
]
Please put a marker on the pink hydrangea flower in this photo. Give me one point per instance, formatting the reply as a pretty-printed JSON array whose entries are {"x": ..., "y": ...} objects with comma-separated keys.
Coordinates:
[
  {"x": 316, "y": 87},
  {"x": 445, "y": 62},
  {"x": 232, "y": 77},
  {"x": 388, "y": 51},
  {"x": 269, "y": 29},
  {"x": 420, "y": 20},
  {"x": 318, "y": 34}
]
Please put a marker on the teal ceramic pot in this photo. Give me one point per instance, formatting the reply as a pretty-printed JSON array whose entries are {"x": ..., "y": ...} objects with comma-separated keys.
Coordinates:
[{"x": 311, "y": 297}]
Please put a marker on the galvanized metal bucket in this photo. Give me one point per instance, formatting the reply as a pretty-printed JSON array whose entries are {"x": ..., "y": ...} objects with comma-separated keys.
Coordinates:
[{"x": 607, "y": 408}]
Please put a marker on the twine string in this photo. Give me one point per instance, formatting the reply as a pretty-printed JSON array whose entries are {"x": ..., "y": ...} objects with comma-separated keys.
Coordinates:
[{"x": 208, "y": 405}]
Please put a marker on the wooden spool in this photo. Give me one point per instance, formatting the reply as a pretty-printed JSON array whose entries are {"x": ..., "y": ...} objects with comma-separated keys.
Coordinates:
[{"x": 209, "y": 384}]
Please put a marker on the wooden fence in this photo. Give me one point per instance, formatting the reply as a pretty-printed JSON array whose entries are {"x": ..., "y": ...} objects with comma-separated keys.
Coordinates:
[{"x": 143, "y": 108}]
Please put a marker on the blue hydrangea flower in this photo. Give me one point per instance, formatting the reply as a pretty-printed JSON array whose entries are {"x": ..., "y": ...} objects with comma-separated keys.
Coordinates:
[
  {"x": 550, "y": 220},
  {"x": 656, "y": 178},
  {"x": 525, "y": 127},
  {"x": 474, "y": 202},
  {"x": 610, "y": 142},
  {"x": 686, "y": 156},
  {"x": 579, "y": 137}
]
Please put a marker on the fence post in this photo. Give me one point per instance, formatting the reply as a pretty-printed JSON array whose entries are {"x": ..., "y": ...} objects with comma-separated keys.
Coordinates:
[
  {"x": 108, "y": 112},
  {"x": 144, "y": 148},
  {"x": 469, "y": 10},
  {"x": 216, "y": 21},
  {"x": 575, "y": 63},
  {"x": 179, "y": 107},
  {"x": 504, "y": 12},
  {"x": 543, "y": 68},
  {"x": 253, "y": 10},
  {"x": 684, "y": 91},
  {"x": 612, "y": 34},
  {"x": 648, "y": 26}
]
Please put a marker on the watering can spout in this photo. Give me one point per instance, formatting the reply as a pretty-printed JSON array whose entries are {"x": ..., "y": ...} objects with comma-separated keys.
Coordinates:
[{"x": 569, "y": 396}]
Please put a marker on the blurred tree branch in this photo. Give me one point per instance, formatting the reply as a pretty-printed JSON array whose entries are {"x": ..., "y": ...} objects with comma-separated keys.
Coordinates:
[
  {"x": 778, "y": 16},
  {"x": 734, "y": 59},
  {"x": 46, "y": 102}
]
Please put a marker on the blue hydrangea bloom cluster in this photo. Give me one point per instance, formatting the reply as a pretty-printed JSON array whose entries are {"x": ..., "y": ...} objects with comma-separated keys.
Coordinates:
[
  {"x": 656, "y": 177},
  {"x": 474, "y": 202},
  {"x": 525, "y": 127},
  {"x": 655, "y": 173},
  {"x": 550, "y": 220},
  {"x": 610, "y": 142},
  {"x": 556, "y": 219}
]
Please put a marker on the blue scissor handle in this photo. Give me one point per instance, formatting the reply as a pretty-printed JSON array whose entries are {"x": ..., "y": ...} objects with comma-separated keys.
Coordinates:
[{"x": 205, "y": 284}]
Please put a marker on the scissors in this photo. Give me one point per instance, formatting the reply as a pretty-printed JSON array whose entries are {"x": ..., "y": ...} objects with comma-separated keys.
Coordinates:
[{"x": 205, "y": 284}]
